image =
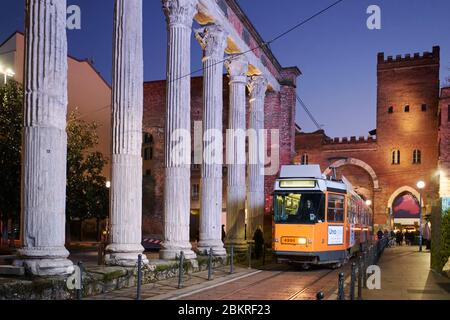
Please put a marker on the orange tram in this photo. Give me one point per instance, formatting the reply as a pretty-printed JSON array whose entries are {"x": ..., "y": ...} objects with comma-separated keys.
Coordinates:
[{"x": 317, "y": 220}]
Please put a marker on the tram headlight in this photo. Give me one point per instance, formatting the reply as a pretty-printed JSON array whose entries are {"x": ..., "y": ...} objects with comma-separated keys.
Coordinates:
[{"x": 301, "y": 240}]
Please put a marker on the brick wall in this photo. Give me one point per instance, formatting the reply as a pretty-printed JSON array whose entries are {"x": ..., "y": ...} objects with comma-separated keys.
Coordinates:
[
  {"x": 444, "y": 142},
  {"x": 279, "y": 114}
]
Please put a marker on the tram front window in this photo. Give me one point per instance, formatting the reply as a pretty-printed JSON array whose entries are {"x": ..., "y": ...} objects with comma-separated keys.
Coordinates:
[{"x": 300, "y": 208}]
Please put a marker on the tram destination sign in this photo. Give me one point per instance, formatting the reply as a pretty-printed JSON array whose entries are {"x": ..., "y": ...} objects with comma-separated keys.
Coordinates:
[{"x": 297, "y": 183}]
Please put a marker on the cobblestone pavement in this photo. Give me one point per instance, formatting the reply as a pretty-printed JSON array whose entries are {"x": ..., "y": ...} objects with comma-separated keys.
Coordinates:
[
  {"x": 406, "y": 275},
  {"x": 271, "y": 282},
  {"x": 277, "y": 282}
]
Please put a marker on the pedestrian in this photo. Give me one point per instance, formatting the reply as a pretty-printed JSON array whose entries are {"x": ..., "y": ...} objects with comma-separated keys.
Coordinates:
[
  {"x": 427, "y": 234},
  {"x": 408, "y": 238},
  {"x": 258, "y": 237},
  {"x": 380, "y": 234},
  {"x": 224, "y": 235},
  {"x": 399, "y": 237}
]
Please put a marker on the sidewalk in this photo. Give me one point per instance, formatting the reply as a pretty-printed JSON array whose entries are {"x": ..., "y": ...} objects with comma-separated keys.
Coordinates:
[
  {"x": 406, "y": 275},
  {"x": 168, "y": 289}
]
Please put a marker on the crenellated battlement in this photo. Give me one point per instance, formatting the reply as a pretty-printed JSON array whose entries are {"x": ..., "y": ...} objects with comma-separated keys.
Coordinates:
[
  {"x": 350, "y": 140},
  {"x": 408, "y": 59}
]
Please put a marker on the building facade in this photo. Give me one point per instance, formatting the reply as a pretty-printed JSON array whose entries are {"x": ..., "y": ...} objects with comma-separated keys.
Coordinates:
[
  {"x": 87, "y": 90},
  {"x": 403, "y": 149},
  {"x": 444, "y": 147}
]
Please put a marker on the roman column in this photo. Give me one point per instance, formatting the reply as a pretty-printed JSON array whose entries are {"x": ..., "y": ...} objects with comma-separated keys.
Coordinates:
[
  {"x": 237, "y": 67},
  {"x": 127, "y": 106},
  {"x": 44, "y": 141},
  {"x": 257, "y": 87},
  {"x": 177, "y": 185},
  {"x": 213, "y": 40}
]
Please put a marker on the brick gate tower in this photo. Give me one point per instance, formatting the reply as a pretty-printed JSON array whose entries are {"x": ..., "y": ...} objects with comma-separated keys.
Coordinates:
[{"x": 404, "y": 147}]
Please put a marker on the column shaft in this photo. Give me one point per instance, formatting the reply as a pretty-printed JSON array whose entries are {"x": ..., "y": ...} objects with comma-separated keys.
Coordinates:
[
  {"x": 236, "y": 157},
  {"x": 179, "y": 15},
  {"x": 213, "y": 40},
  {"x": 127, "y": 108},
  {"x": 255, "y": 194},
  {"x": 44, "y": 140}
]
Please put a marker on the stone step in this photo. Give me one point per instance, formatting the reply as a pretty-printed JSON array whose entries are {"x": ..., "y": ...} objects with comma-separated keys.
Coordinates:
[{"x": 6, "y": 270}]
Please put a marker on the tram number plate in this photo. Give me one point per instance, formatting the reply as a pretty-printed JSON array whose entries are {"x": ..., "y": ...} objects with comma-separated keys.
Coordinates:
[{"x": 289, "y": 240}]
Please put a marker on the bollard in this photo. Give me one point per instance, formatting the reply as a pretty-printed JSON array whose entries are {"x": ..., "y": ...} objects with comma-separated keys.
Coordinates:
[
  {"x": 353, "y": 282},
  {"x": 180, "y": 273},
  {"x": 80, "y": 291},
  {"x": 341, "y": 294},
  {"x": 320, "y": 295},
  {"x": 264, "y": 255},
  {"x": 139, "y": 277},
  {"x": 249, "y": 255},
  {"x": 364, "y": 268},
  {"x": 100, "y": 259},
  {"x": 210, "y": 258},
  {"x": 232, "y": 259},
  {"x": 360, "y": 277}
]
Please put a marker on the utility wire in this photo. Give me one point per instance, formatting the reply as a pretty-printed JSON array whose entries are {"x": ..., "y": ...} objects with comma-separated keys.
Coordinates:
[
  {"x": 303, "y": 105},
  {"x": 267, "y": 43}
]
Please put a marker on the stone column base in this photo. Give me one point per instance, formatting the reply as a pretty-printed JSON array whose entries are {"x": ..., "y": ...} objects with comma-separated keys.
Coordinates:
[
  {"x": 239, "y": 245},
  {"x": 46, "y": 267},
  {"x": 124, "y": 255},
  {"x": 217, "y": 248},
  {"x": 171, "y": 251}
]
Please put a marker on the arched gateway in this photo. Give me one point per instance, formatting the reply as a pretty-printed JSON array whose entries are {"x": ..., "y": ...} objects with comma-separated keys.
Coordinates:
[{"x": 355, "y": 162}]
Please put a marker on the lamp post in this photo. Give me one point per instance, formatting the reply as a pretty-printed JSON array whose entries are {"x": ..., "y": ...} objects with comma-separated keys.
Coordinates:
[{"x": 420, "y": 186}]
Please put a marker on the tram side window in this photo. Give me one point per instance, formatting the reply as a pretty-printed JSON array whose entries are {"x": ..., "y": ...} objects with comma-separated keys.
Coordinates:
[{"x": 335, "y": 212}]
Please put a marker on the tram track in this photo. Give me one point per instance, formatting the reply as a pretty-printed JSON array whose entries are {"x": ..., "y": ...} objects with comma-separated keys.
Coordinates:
[
  {"x": 278, "y": 280},
  {"x": 299, "y": 292}
]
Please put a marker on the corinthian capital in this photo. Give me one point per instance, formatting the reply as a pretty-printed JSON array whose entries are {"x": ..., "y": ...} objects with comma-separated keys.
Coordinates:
[
  {"x": 180, "y": 12},
  {"x": 257, "y": 86},
  {"x": 213, "y": 40},
  {"x": 237, "y": 66}
]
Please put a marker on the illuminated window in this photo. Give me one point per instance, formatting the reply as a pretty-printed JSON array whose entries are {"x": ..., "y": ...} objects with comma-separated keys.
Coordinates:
[
  {"x": 148, "y": 153},
  {"x": 335, "y": 211},
  {"x": 417, "y": 155},
  {"x": 406, "y": 108},
  {"x": 147, "y": 146},
  {"x": 391, "y": 110},
  {"x": 305, "y": 159},
  {"x": 396, "y": 157}
]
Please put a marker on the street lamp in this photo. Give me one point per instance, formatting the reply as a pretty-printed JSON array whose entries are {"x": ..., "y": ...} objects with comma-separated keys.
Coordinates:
[
  {"x": 108, "y": 184},
  {"x": 368, "y": 202},
  {"x": 420, "y": 186},
  {"x": 7, "y": 72}
]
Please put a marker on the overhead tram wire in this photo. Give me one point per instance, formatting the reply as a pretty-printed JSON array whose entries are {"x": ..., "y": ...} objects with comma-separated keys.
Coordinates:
[
  {"x": 267, "y": 43},
  {"x": 303, "y": 105},
  {"x": 260, "y": 46}
]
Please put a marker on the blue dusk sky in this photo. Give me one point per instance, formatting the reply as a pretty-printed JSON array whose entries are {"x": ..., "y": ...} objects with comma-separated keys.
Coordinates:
[{"x": 336, "y": 52}]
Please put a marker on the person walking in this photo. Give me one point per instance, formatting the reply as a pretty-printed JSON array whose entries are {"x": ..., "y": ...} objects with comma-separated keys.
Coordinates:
[
  {"x": 380, "y": 234},
  {"x": 224, "y": 235},
  {"x": 427, "y": 234},
  {"x": 258, "y": 237}
]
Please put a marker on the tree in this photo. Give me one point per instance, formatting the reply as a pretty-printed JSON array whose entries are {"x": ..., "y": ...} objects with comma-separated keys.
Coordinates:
[
  {"x": 11, "y": 117},
  {"x": 87, "y": 194}
]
